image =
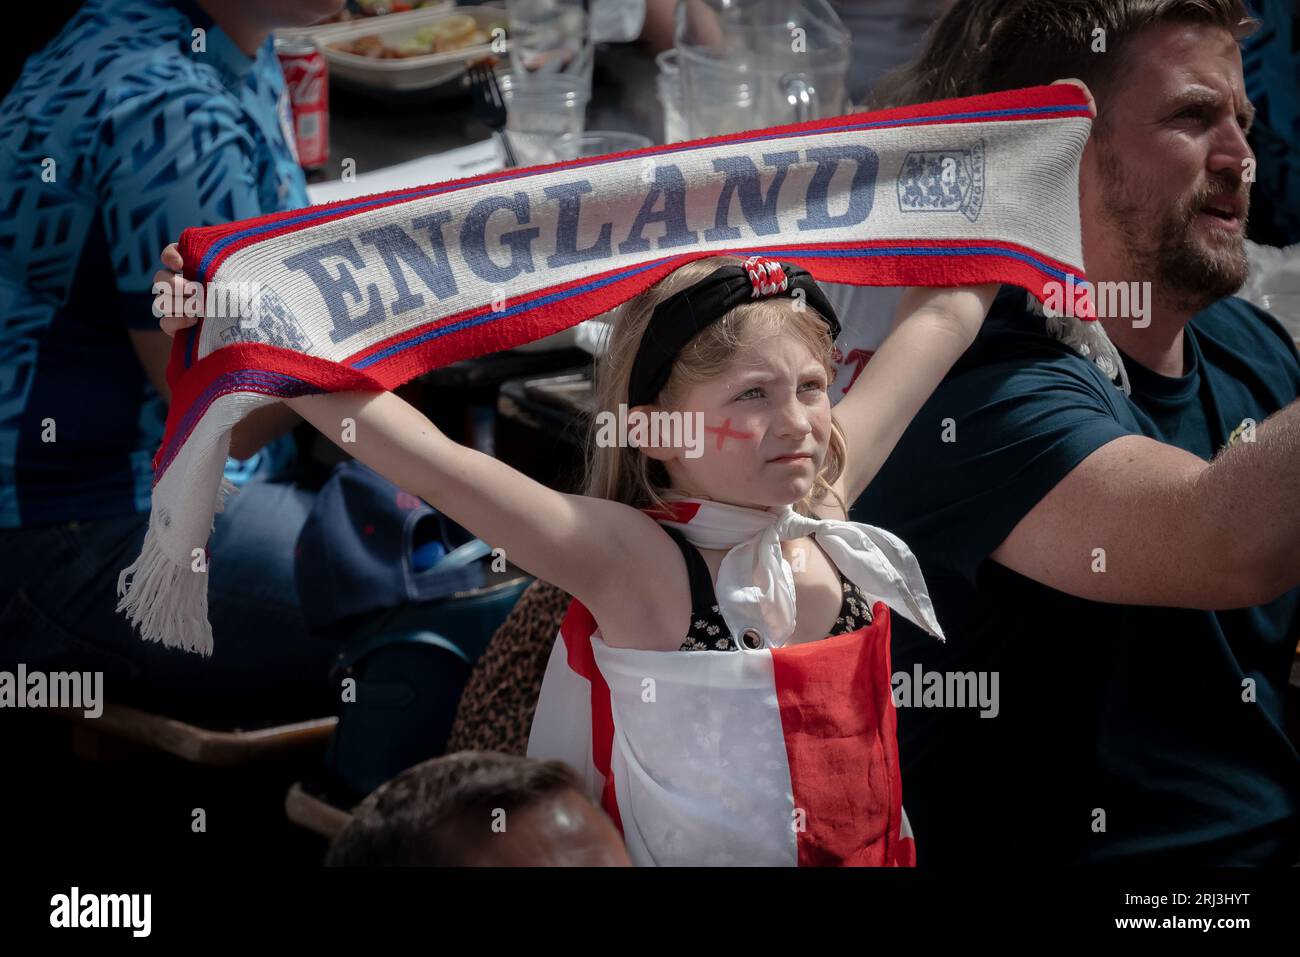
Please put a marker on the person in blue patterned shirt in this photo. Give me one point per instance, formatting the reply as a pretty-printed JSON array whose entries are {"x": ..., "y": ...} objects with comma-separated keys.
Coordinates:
[{"x": 140, "y": 118}]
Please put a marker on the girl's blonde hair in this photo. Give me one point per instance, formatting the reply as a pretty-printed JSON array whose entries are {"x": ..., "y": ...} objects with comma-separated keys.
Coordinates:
[{"x": 626, "y": 475}]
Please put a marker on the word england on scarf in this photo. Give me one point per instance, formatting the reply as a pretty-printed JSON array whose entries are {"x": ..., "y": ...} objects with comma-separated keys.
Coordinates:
[{"x": 365, "y": 294}]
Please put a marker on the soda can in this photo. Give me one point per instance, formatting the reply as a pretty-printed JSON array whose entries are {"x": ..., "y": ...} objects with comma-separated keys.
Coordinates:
[{"x": 306, "y": 78}]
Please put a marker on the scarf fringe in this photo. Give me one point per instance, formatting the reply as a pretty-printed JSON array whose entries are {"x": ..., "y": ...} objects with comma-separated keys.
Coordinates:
[
  {"x": 167, "y": 600},
  {"x": 1089, "y": 339}
]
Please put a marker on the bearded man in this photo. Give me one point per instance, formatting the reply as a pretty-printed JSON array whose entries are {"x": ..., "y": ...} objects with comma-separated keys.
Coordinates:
[{"x": 1108, "y": 514}]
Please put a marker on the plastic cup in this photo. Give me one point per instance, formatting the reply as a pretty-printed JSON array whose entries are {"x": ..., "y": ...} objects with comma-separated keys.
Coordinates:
[
  {"x": 668, "y": 85},
  {"x": 540, "y": 111}
]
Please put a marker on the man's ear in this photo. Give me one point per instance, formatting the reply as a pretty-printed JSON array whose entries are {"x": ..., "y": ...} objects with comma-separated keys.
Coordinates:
[{"x": 1091, "y": 176}]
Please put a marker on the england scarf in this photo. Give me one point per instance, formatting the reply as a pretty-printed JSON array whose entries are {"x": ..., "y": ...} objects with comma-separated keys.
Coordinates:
[
  {"x": 365, "y": 294},
  {"x": 778, "y": 755}
]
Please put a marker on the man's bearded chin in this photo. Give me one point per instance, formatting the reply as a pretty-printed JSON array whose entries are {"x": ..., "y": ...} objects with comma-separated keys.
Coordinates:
[{"x": 1190, "y": 265}]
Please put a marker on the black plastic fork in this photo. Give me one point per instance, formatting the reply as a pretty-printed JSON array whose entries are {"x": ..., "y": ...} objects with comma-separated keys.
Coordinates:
[{"x": 490, "y": 105}]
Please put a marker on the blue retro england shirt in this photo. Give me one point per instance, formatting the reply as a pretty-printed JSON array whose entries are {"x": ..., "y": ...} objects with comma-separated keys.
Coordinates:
[{"x": 139, "y": 119}]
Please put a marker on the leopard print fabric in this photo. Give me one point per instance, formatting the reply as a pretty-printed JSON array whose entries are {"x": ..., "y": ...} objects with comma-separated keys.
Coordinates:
[{"x": 496, "y": 708}]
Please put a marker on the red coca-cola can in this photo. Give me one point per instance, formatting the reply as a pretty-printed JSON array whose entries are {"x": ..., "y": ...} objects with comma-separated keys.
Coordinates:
[{"x": 306, "y": 77}]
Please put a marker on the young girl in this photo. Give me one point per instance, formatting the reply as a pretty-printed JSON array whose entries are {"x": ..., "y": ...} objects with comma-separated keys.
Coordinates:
[{"x": 742, "y": 547}]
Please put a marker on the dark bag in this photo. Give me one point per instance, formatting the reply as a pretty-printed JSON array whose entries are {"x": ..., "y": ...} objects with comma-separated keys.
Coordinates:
[{"x": 358, "y": 559}]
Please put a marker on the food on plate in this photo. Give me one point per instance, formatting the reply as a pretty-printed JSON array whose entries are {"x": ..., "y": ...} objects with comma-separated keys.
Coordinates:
[{"x": 454, "y": 32}]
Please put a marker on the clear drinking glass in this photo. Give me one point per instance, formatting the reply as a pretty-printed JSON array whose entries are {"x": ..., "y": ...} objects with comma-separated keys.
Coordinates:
[
  {"x": 750, "y": 64},
  {"x": 549, "y": 37},
  {"x": 669, "y": 85},
  {"x": 541, "y": 112}
]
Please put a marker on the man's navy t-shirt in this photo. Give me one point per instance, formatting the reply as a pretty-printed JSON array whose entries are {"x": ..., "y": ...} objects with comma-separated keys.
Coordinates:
[{"x": 1122, "y": 731}]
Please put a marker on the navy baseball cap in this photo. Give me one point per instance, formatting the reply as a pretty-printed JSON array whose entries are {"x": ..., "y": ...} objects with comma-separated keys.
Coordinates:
[{"x": 368, "y": 545}]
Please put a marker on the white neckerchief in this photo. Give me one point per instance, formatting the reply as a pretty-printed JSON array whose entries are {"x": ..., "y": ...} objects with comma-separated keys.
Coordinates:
[{"x": 755, "y": 587}]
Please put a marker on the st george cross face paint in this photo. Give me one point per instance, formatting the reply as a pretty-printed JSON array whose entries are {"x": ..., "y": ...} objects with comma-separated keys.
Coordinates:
[{"x": 725, "y": 431}]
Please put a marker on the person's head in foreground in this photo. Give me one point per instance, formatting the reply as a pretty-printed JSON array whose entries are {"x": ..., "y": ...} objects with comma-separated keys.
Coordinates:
[
  {"x": 479, "y": 809},
  {"x": 757, "y": 375},
  {"x": 1165, "y": 179}
]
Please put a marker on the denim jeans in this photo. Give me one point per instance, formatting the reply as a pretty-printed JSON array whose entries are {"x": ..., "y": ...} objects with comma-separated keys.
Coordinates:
[{"x": 58, "y": 594}]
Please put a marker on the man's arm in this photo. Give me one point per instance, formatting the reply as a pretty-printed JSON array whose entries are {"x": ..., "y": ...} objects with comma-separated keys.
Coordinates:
[
  {"x": 255, "y": 430},
  {"x": 1175, "y": 530}
]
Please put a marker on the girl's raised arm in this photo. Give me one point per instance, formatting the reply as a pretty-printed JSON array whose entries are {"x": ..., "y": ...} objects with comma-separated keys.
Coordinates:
[
  {"x": 931, "y": 330},
  {"x": 579, "y": 543}
]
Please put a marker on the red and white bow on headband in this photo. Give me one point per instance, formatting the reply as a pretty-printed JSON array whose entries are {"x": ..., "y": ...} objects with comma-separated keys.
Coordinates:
[{"x": 766, "y": 275}]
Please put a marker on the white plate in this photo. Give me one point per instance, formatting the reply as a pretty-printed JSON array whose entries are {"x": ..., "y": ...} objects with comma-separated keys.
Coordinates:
[{"x": 408, "y": 73}]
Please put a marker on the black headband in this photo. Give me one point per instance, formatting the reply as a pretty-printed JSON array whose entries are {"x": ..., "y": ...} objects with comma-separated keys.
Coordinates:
[{"x": 678, "y": 318}]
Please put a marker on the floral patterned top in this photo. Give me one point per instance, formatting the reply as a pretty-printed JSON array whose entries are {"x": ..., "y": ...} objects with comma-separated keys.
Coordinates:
[{"x": 708, "y": 631}]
